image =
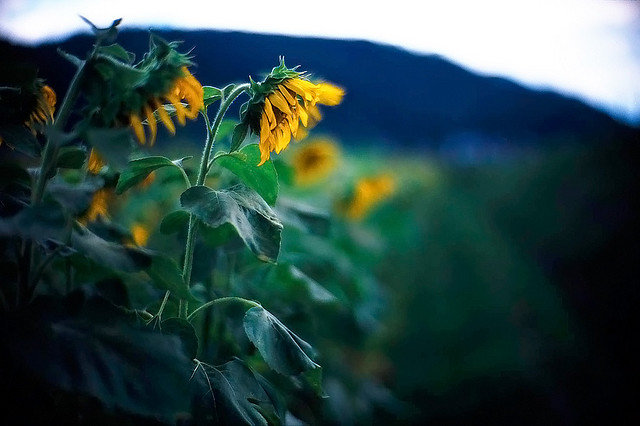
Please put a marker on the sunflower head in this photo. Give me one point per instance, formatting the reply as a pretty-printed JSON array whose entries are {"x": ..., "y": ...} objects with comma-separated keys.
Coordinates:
[
  {"x": 124, "y": 94},
  {"x": 314, "y": 161},
  {"x": 367, "y": 193},
  {"x": 139, "y": 234},
  {"x": 280, "y": 103},
  {"x": 30, "y": 105},
  {"x": 99, "y": 206}
]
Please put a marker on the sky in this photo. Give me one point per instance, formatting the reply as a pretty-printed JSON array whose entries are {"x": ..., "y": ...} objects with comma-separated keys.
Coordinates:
[{"x": 588, "y": 49}]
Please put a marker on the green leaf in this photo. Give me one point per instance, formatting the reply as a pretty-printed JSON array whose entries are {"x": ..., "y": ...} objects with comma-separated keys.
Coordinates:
[
  {"x": 110, "y": 255},
  {"x": 239, "y": 134},
  {"x": 244, "y": 164},
  {"x": 114, "y": 145},
  {"x": 92, "y": 348},
  {"x": 304, "y": 217},
  {"x": 185, "y": 332},
  {"x": 225, "y": 128},
  {"x": 166, "y": 275},
  {"x": 118, "y": 52},
  {"x": 282, "y": 350},
  {"x": 76, "y": 197},
  {"x": 21, "y": 139},
  {"x": 252, "y": 218},
  {"x": 71, "y": 157},
  {"x": 297, "y": 285},
  {"x": 211, "y": 95},
  {"x": 139, "y": 169},
  {"x": 38, "y": 222},
  {"x": 227, "y": 90},
  {"x": 174, "y": 222},
  {"x": 235, "y": 394}
]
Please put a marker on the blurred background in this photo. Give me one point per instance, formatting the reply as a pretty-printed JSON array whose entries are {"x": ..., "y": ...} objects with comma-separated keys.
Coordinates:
[{"x": 507, "y": 254}]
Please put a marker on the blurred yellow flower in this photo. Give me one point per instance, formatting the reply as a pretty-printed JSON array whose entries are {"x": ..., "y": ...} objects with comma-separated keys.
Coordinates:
[
  {"x": 42, "y": 111},
  {"x": 293, "y": 101},
  {"x": 99, "y": 206},
  {"x": 185, "y": 87},
  {"x": 140, "y": 234},
  {"x": 95, "y": 163},
  {"x": 314, "y": 161},
  {"x": 368, "y": 192}
]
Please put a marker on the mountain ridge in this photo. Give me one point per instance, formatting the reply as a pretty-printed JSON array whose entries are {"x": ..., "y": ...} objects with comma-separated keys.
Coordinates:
[{"x": 394, "y": 97}]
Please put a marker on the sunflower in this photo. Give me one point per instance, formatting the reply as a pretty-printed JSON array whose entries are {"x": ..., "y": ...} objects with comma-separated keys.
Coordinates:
[
  {"x": 139, "y": 234},
  {"x": 123, "y": 94},
  {"x": 283, "y": 101},
  {"x": 185, "y": 87},
  {"x": 368, "y": 192},
  {"x": 314, "y": 161},
  {"x": 99, "y": 206},
  {"x": 31, "y": 107}
]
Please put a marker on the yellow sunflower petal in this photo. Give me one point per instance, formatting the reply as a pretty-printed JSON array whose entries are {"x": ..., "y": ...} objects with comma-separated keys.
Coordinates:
[
  {"x": 95, "y": 163},
  {"x": 166, "y": 120},
  {"x": 175, "y": 101},
  {"x": 278, "y": 101},
  {"x": 270, "y": 115},
  {"x": 304, "y": 117},
  {"x": 151, "y": 121},
  {"x": 264, "y": 128},
  {"x": 304, "y": 88},
  {"x": 329, "y": 94},
  {"x": 137, "y": 127},
  {"x": 287, "y": 95}
]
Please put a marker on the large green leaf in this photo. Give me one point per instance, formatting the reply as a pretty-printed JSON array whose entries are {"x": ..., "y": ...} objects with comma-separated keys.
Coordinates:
[
  {"x": 75, "y": 197},
  {"x": 71, "y": 157},
  {"x": 302, "y": 216},
  {"x": 243, "y": 208},
  {"x": 92, "y": 348},
  {"x": 185, "y": 331},
  {"x": 140, "y": 168},
  {"x": 244, "y": 164},
  {"x": 39, "y": 222},
  {"x": 174, "y": 222},
  {"x": 114, "y": 145},
  {"x": 211, "y": 95},
  {"x": 231, "y": 394},
  {"x": 110, "y": 255},
  {"x": 166, "y": 275},
  {"x": 295, "y": 285},
  {"x": 283, "y": 351}
]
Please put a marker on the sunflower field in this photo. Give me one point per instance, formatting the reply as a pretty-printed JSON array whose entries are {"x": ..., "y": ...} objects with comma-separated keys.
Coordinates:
[{"x": 269, "y": 274}]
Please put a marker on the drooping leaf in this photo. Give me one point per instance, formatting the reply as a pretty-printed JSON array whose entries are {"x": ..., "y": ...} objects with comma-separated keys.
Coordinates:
[
  {"x": 282, "y": 350},
  {"x": 244, "y": 164},
  {"x": 75, "y": 197},
  {"x": 243, "y": 208},
  {"x": 185, "y": 332},
  {"x": 37, "y": 222},
  {"x": 231, "y": 394},
  {"x": 108, "y": 254},
  {"x": 92, "y": 348},
  {"x": 239, "y": 134},
  {"x": 174, "y": 222},
  {"x": 140, "y": 168},
  {"x": 114, "y": 145},
  {"x": 166, "y": 275},
  {"x": 295, "y": 284},
  {"x": 118, "y": 52},
  {"x": 225, "y": 129},
  {"x": 303, "y": 217},
  {"x": 211, "y": 95},
  {"x": 226, "y": 91}
]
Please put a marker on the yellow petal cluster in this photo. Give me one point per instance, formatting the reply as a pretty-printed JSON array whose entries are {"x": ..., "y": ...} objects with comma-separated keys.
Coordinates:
[
  {"x": 314, "y": 161},
  {"x": 43, "y": 111},
  {"x": 293, "y": 102},
  {"x": 99, "y": 206},
  {"x": 187, "y": 88},
  {"x": 140, "y": 234},
  {"x": 368, "y": 192}
]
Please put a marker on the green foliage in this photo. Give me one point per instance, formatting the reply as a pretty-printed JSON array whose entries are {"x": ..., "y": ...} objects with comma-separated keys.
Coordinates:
[
  {"x": 140, "y": 168},
  {"x": 241, "y": 207},
  {"x": 244, "y": 164}
]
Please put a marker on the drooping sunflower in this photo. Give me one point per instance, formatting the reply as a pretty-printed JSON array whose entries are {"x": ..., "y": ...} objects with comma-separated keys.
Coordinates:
[
  {"x": 314, "y": 161},
  {"x": 29, "y": 106},
  {"x": 122, "y": 94},
  {"x": 367, "y": 193},
  {"x": 99, "y": 206},
  {"x": 283, "y": 101}
]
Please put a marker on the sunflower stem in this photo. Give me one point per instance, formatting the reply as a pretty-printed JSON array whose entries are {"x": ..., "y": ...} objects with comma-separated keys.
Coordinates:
[
  {"x": 231, "y": 299},
  {"x": 212, "y": 131}
]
